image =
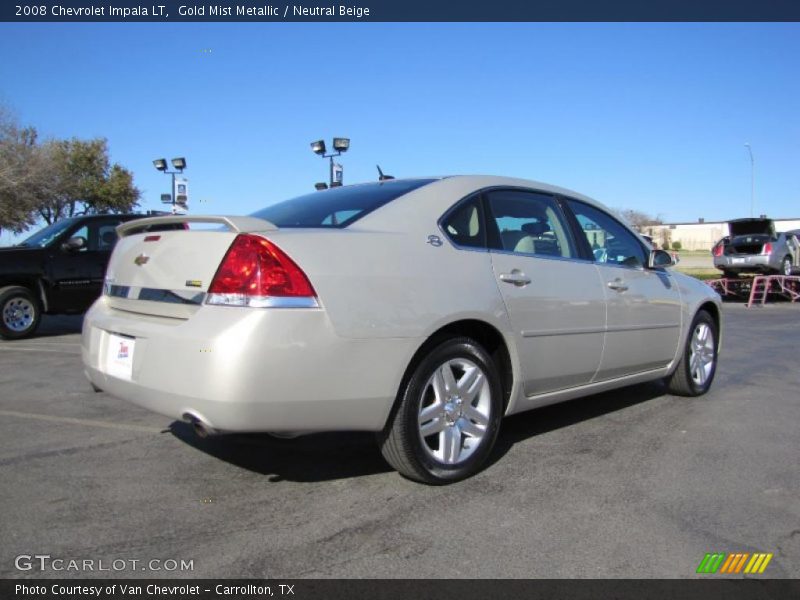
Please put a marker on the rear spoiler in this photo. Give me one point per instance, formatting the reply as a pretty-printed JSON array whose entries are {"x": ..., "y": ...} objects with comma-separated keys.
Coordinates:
[{"x": 236, "y": 224}]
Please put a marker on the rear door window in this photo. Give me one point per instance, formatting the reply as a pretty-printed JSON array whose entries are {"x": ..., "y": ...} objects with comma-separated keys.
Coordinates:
[{"x": 529, "y": 223}]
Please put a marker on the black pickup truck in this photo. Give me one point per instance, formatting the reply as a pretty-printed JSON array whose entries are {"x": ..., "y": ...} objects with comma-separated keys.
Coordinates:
[{"x": 57, "y": 270}]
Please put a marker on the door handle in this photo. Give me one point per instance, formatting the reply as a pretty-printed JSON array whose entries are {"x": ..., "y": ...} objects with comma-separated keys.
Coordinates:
[
  {"x": 618, "y": 285},
  {"x": 516, "y": 277}
]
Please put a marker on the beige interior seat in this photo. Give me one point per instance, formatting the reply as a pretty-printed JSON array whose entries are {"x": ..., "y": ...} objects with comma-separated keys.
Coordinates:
[{"x": 518, "y": 241}]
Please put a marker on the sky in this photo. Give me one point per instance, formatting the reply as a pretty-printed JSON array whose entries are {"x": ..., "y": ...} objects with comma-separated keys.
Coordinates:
[{"x": 650, "y": 117}]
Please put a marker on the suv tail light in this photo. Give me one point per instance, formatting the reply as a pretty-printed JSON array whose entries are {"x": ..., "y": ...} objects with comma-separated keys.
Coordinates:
[
  {"x": 767, "y": 249},
  {"x": 718, "y": 249},
  {"x": 256, "y": 273}
]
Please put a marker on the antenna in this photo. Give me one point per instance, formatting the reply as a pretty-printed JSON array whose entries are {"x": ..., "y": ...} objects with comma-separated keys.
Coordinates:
[{"x": 381, "y": 176}]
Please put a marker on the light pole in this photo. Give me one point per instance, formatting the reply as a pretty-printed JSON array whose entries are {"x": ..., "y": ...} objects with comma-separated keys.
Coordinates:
[
  {"x": 340, "y": 145},
  {"x": 752, "y": 181},
  {"x": 179, "y": 164}
]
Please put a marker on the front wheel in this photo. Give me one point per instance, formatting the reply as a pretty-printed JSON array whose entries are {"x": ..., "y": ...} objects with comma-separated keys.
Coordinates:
[
  {"x": 447, "y": 415},
  {"x": 20, "y": 312},
  {"x": 698, "y": 364}
]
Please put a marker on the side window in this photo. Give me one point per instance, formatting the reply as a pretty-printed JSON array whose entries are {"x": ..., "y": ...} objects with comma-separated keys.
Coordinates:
[
  {"x": 82, "y": 232},
  {"x": 611, "y": 242},
  {"x": 529, "y": 223},
  {"x": 464, "y": 226},
  {"x": 106, "y": 236}
]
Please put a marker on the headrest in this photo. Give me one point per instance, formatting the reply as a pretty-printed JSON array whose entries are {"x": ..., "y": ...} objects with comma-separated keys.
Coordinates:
[{"x": 537, "y": 228}]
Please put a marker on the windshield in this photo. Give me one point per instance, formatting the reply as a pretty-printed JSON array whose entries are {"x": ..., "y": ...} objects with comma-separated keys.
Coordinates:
[
  {"x": 339, "y": 206},
  {"x": 43, "y": 237}
]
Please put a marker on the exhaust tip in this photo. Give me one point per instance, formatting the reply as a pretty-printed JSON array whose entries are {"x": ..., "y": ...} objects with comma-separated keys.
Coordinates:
[{"x": 201, "y": 429}]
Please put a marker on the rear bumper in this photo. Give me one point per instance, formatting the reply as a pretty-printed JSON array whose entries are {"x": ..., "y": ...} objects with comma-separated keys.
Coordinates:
[
  {"x": 747, "y": 263},
  {"x": 239, "y": 369}
]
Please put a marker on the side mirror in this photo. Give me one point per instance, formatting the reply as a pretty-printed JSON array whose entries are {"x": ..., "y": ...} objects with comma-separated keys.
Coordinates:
[
  {"x": 659, "y": 259},
  {"x": 74, "y": 244}
]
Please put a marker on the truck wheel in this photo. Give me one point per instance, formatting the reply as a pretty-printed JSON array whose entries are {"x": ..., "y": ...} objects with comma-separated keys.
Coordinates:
[{"x": 20, "y": 312}]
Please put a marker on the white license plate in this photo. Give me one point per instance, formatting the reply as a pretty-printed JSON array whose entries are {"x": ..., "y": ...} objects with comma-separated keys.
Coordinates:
[
  {"x": 738, "y": 261},
  {"x": 119, "y": 356}
]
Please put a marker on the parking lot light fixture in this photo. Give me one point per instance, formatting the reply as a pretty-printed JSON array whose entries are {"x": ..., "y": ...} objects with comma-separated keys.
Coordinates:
[
  {"x": 179, "y": 164},
  {"x": 340, "y": 144},
  {"x": 752, "y": 180},
  {"x": 318, "y": 147}
]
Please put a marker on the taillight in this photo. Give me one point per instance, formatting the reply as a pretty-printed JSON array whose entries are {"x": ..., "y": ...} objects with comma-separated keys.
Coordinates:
[
  {"x": 718, "y": 249},
  {"x": 255, "y": 272},
  {"x": 767, "y": 249}
]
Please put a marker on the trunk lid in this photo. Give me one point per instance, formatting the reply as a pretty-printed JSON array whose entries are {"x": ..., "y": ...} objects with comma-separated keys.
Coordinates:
[
  {"x": 748, "y": 236},
  {"x": 741, "y": 227},
  {"x": 167, "y": 273}
]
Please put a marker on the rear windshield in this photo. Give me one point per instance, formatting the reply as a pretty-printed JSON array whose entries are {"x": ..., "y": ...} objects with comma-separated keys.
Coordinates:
[{"x": 339, "y": 206}]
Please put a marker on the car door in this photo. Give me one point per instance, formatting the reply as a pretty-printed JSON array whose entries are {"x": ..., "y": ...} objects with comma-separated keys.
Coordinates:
[
  {"x": 77, "y": 274},
  {"x": 644, "y": 309},
  {"x": 554, "y": 297}
]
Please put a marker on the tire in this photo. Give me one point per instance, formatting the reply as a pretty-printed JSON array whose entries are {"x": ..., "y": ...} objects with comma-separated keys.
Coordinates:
[
  {"x": 786, "y": 266},
  {"x": 454, "y": 394},
  {"x": 730, "y": 275},
  {"x": 693, "y": 377},
  {"x": 20, "y": 312}
]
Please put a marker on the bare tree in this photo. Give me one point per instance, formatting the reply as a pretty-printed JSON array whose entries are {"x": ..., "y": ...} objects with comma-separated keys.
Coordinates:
[
  {"x": 637, "y": 219},
  {"x": 23, "y": 173}
]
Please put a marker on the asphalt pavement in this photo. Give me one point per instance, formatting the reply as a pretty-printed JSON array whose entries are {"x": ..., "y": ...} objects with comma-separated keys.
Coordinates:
[{"x": 631, "y": 483}]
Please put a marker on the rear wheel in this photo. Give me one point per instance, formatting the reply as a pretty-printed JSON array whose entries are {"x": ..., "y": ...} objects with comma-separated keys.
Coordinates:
[
  {"x": 698, "y": 364},
  {"x": 19, "y": 312},
  {"x": 447, "y": 415},
  {"x": 730, "y": 274}
]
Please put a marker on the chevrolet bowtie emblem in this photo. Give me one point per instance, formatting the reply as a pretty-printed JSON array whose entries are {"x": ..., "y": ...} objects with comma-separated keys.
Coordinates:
[{"x": 141, "y": 259}]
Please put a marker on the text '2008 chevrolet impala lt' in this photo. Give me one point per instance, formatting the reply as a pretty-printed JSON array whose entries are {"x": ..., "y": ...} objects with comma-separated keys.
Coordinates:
[{"x": 421, "y": 309}]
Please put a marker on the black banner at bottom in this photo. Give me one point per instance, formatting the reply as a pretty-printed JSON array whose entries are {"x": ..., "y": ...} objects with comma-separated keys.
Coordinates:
[{"x": 400, "y": 589}]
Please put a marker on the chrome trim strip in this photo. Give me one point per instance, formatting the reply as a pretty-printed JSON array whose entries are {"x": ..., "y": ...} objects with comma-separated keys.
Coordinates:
[
  {"x": 240, "y": 300},
  {"x": 590, "y": 330},
  {"x": 643, "y": 327},
  {"x": 556, "y": 332}
]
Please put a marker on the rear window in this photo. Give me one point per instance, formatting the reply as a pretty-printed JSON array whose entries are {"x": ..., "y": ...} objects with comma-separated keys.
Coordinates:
[{"x": 339, "y": 206}]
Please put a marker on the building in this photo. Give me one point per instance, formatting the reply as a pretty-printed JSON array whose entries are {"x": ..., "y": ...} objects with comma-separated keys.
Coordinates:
[{"x": 702, "y": 235}]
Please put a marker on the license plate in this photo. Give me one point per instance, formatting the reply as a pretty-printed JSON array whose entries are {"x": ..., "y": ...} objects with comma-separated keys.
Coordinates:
[
  {"x": 119, "y": 356},
  {"x": 738, "y": 261}
]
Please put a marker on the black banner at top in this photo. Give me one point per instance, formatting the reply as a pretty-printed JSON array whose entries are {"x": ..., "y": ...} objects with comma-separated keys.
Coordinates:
[{"x": 397, "y": 10}]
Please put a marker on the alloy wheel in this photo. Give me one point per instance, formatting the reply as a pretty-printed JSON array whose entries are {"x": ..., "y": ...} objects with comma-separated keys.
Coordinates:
[
  {"x": 702, "y": 356},
  {"x": 455, "y": 411}
]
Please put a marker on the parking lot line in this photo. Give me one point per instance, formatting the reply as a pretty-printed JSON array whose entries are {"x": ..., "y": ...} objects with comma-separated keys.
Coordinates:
[{"x": 85, "y": 422}]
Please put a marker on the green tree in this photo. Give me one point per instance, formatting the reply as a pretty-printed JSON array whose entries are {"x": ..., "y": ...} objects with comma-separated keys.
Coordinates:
[
  {"x": 85, "y": 182},
  {"x": 58, "y": 178}
]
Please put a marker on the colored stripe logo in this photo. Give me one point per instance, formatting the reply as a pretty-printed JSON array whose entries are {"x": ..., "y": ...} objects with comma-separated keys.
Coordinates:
[{"x": 733, "y": 563}]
